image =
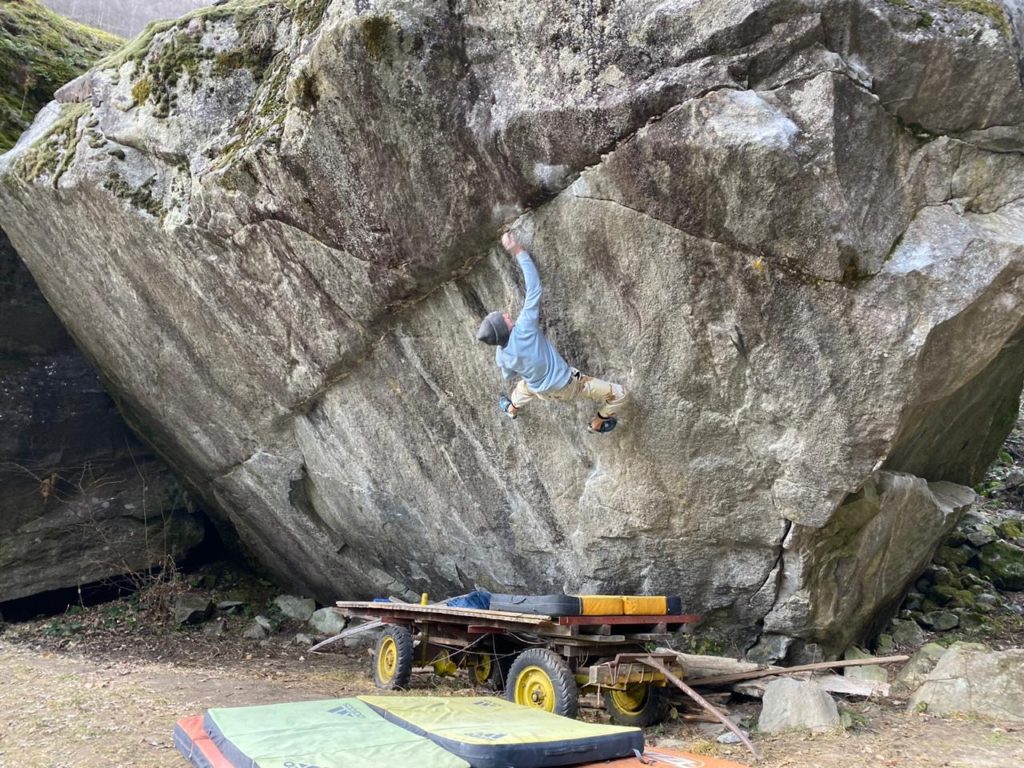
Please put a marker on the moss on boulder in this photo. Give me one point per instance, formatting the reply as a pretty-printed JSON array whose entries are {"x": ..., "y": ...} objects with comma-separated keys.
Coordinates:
[
  {"x": 953, "y": 556},
  {"x": 1004, "y": 564},
  {"x": 1010, "y": 529},
  {"x": 55, "y": 150}
]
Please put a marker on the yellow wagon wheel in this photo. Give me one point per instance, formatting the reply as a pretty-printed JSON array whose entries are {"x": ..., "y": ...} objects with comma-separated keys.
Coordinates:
[
  {"x": 639, "y": 704},
  {"x": 541, "y": 679},
  {"x": 392, "y": 660},
  {"x": 534, "y": 688},
  {"x": 480, "y": 669},
  {"x": 444, "y": 665}
]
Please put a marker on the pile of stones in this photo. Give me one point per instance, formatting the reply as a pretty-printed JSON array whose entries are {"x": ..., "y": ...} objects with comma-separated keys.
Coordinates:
[
  {"x": 283, "y": 612},
  {"x": 982, "y": 558},
  {"x": 975, "y": 574}
]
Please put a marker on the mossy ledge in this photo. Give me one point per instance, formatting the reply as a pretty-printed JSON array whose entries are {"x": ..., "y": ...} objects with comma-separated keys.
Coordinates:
[
  {"x": 55, "y": 149},
  {"x": 929, "y": 10},
  {"x": 307, "y": 14},
  {"x": 160, "y": 67},
  {"x": 986, "y": 8}
]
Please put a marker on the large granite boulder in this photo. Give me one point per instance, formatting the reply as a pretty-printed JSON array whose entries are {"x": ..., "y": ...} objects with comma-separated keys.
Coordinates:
[
  {"x": 790, "y": 228},
  {"x": 970, "y": 679},
  {"x": 790, "y": 704}
]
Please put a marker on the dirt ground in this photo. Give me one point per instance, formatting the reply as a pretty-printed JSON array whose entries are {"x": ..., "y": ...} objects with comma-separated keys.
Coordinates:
[{"x": 111, "y": 699}]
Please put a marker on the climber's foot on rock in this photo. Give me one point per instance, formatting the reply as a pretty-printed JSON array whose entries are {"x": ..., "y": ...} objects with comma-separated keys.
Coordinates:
[
  {"x": 507, "y": 408},
  {"x": 600, "y": 424}
]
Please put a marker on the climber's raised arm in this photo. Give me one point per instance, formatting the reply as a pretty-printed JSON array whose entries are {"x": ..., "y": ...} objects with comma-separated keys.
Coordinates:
[{"x": 531, "y": 305}]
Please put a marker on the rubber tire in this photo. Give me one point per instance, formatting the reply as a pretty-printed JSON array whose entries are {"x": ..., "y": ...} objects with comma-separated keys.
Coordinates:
[
  {"x": 403, "y": 659},
  {"x": 652, "y": 710},
  {"x": 554, "y": 666}
]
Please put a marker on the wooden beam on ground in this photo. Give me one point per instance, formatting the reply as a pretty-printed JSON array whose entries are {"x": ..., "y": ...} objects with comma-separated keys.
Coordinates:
[
  {"x": 844, "y": 686},
  {"x": 767, "y": 671},
  {"x": 348, "y": 633}
]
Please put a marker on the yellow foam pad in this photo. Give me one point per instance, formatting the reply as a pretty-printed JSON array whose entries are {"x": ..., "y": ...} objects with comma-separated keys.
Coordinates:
[
  {"x": 644, "y": 605},
  {"x": 600, "y": 605}
]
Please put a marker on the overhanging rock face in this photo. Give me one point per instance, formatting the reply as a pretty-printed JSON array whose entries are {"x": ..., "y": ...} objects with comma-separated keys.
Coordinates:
[
  {"x": 81, "y": 500},
  {"x": 791, "y": 229}
]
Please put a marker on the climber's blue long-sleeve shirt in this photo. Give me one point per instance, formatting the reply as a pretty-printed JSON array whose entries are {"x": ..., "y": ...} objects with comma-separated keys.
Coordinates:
[{"x": 528, "y": 352}]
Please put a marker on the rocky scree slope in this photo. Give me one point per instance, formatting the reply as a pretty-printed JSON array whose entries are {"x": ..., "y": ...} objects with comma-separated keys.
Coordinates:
[
  {"x": 123, "y": 17},
  {"x": 39, "y": 52},
  {"x": 81, "y": 499},
  {"x": 791, "y": 229}
]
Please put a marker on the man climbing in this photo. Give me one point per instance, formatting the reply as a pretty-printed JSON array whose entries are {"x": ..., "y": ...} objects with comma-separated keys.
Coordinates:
[{"x": 522, "y": 348}]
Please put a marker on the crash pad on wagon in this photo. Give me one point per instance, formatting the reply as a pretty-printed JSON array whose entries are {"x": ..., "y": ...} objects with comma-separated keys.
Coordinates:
[
  {"x": 331, "y": 733},
  {"x": 195, "y": 744},
  {"x": 629, "y": 605},
  {"x": 493, "y": 733},
  {"x": 587, "y": 605}
]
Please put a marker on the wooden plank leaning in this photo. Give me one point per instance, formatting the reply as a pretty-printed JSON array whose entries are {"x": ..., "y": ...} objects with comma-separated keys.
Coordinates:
[{"x": 373, "y": 624}]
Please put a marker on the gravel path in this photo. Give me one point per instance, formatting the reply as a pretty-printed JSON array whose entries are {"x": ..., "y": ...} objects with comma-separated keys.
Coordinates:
[{"x": 62, "y": 709}]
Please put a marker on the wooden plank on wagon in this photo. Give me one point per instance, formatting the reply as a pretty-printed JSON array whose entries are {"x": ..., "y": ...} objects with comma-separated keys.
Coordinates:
[
  {"x": 646, "y": 637},
  {"x": 687, "y": 618},
  {"x": 594, "y": 640},
  {"x": 482, "y": 629},
  {"x": 375, "y": 608}
]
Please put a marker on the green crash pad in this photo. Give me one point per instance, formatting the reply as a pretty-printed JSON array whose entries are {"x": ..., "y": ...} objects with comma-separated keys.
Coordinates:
[
  {"x": 493, "y": 733},
  {"x": 332, "y": 733}
]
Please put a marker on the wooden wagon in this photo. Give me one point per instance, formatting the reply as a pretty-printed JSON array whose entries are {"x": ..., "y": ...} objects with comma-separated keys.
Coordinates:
[{"x": 539, "y": 661}]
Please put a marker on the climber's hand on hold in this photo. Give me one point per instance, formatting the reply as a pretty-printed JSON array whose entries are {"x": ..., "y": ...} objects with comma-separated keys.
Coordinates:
[{"x": 510, "y": 244}]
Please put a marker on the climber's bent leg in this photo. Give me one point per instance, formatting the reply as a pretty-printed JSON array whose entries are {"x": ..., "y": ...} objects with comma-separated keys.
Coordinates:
[
  {"x": 609, "y": 397},
  {"x": 520, "y": 396}
]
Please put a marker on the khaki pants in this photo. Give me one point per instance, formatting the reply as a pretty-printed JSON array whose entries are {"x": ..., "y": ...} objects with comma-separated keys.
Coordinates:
[{"x": 609, "y": 397}]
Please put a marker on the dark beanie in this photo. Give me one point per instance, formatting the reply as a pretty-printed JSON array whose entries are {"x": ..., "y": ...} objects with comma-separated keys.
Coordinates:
[{"x": 493, "y": 330}]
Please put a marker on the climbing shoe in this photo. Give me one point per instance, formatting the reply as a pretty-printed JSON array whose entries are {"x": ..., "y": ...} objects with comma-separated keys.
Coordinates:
[
  {"x": 602, "y": 424},
  {"x": 506, "y": 406}
]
